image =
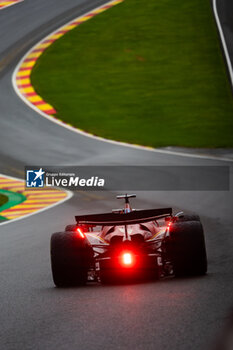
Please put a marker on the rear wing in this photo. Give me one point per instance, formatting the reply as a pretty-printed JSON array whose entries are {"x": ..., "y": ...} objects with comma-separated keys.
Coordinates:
[{"x": 114, "y": 219}]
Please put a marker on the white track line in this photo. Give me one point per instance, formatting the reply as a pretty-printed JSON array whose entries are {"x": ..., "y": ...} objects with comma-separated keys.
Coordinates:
[
  {"x": 223, "y": 40},
  {"x": 79, "y": 131},
  {"x": 69, "y": 195}
]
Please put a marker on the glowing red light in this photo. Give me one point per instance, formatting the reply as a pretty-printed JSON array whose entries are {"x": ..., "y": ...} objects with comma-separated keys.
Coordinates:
[
  {"x": 127, "y": 259},
  {"x": 80, "y": 232}
]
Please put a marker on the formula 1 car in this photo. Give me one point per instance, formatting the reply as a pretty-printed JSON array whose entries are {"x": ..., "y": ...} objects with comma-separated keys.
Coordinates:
[{"x": 128, "y": 244}]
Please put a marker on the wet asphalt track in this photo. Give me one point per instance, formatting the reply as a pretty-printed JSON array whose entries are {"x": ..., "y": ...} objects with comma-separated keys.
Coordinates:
[{"x": 171, "y": 314}]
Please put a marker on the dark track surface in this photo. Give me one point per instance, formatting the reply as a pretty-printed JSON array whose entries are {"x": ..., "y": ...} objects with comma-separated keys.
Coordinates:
[{"x": 174, "y": 314}]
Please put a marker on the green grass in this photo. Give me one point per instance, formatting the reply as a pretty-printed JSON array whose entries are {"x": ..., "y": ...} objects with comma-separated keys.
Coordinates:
[
  {"x": 3, "y": 199},
  {"x": 147, "y": 72}
]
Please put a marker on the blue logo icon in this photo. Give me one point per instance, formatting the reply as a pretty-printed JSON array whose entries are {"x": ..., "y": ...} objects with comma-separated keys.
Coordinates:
[{"x": 35, "y": 178}]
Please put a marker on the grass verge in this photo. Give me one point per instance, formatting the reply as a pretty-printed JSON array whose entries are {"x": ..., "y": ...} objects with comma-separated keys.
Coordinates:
[{"x": 150, "y": 73}]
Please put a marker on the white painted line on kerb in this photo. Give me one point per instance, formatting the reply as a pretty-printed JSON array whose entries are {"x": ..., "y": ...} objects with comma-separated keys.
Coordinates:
[
  {"x": 11, "y": 4},
  {"x": 69, "y": 195},
  {"x": 223, "y": 40},
  {"x": 99, "y": 138}
]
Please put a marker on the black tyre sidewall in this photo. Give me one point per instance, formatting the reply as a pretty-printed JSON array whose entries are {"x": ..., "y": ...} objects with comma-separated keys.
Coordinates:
[
  {"x": 187, "y": 248},
  {"x": 70, "y": 259}
]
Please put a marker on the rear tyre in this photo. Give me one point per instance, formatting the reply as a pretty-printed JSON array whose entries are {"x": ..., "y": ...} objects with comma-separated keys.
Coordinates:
[
  {"x": 184, "y": 218},
  {"x": 70, "y": 227},
  {"x": 186, "y": 248},
  {"x": 71, "y": 257}
]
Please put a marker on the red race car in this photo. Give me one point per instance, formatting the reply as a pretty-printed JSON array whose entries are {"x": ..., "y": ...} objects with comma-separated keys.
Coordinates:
[{"x": 127, "y": 245}]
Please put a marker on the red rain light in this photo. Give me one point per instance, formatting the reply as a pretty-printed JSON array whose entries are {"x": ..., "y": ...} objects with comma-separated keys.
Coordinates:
[
  {"x": 127, "y": 259},
  {"x": 80, "y": 232}
]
